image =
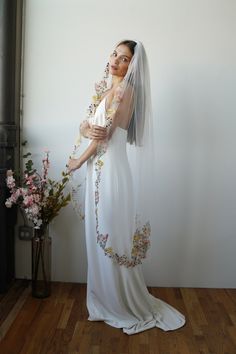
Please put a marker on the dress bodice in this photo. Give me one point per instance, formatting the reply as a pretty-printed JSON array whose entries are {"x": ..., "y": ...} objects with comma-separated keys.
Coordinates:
[{"x": 119, "y": 135}]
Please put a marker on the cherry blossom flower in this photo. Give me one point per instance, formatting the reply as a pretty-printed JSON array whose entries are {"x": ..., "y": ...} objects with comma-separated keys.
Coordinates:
[{"x": 40, "y": 197}]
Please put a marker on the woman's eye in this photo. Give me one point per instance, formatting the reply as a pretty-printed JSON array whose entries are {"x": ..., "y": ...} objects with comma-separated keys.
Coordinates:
[
  {"x": 114, "y": 54},
  {"x": 124, "y": 60}
]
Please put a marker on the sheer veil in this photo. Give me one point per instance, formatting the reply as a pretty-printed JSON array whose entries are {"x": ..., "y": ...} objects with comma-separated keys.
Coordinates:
[{"x": 131, "y": 103}]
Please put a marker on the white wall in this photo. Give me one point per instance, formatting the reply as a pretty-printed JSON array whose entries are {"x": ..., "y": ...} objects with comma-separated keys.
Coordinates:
[{"x": 192, "y": 55}]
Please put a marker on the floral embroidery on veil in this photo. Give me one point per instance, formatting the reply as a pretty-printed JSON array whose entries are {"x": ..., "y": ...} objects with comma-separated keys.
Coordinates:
[
  {"x": 141, "y": 237},
  {"x": 140, "y": 242}
]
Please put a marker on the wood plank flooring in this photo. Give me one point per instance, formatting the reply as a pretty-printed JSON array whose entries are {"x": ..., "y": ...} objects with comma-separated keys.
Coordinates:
[{"x": 59, "y": 325}]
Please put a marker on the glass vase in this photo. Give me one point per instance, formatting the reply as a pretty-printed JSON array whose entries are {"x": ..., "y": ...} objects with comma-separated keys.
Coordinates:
[{"x": 41, "y": 263}]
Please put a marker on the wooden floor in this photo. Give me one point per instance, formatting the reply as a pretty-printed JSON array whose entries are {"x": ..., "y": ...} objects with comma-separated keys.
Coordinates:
[{"x": 59, "y": 325}]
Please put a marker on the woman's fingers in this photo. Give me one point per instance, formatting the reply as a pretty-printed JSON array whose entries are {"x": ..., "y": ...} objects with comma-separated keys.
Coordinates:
[
  {"x": 72, "y": 165},
  {"x": 98, "y": 132}
]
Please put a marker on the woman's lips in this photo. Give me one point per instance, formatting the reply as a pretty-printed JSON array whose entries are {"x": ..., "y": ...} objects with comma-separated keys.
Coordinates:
[{"x": 114, "y": 67}]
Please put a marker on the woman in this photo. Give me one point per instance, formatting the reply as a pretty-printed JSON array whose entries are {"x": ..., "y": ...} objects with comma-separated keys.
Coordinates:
[{"x": 117, "y": 231}]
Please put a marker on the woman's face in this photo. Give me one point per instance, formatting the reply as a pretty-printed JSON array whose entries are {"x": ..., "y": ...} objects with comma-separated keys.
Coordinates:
[{"x": 119, "y": 60}]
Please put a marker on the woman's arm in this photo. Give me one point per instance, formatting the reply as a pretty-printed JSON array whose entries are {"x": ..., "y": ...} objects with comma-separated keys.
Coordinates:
[
  {"x": 74, "y": 164},
  {"x": 84, "y": 128}
]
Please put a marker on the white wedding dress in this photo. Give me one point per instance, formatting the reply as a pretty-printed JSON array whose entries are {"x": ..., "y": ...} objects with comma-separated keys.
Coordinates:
[{"x": 117, "y": 294}]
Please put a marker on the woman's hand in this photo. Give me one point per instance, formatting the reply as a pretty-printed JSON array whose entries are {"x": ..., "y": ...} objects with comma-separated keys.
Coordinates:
[
  {"x": 73, "y": 165},
  {"x": 93, "y": 132},
  {"x": 96, "y": 132}
]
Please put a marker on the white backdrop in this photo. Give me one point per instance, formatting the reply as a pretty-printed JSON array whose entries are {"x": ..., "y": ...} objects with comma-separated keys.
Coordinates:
[{"x": 192, "y": 54}]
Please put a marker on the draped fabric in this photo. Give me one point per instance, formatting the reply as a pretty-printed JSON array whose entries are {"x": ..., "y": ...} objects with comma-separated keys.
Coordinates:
[
  {"x": 118, "y": 198},
  {"x": 116, "y": 291}
]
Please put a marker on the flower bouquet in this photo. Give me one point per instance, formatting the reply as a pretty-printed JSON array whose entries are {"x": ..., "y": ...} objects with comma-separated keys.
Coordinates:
[{"x": 41, "y": 199}]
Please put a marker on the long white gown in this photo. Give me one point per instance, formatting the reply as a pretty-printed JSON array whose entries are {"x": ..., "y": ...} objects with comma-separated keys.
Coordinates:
[{"x": 117, "y": 294}]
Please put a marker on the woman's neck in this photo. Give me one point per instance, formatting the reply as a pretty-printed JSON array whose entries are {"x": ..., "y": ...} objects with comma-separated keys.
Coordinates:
[{"x": 116, "y": 80}]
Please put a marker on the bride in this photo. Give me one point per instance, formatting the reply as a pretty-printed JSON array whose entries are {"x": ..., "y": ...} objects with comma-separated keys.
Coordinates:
[{"x": 118, "y": 192}]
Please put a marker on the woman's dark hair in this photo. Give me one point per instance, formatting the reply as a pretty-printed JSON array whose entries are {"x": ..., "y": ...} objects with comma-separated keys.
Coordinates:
[
  {"x": 131, "y": 136},
  {"x": 130, "y": 44}
]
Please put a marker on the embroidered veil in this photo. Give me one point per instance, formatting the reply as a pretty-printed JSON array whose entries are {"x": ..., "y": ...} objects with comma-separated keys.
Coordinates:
[{"x": 131, "y": 103}]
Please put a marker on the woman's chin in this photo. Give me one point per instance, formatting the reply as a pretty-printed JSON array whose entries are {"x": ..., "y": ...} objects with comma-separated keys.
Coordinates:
[{"x": 113, "y": 72}]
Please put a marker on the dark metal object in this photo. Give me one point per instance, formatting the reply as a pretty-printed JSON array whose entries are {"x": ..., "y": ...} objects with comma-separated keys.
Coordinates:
[{"x": 11, "y": 14}]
